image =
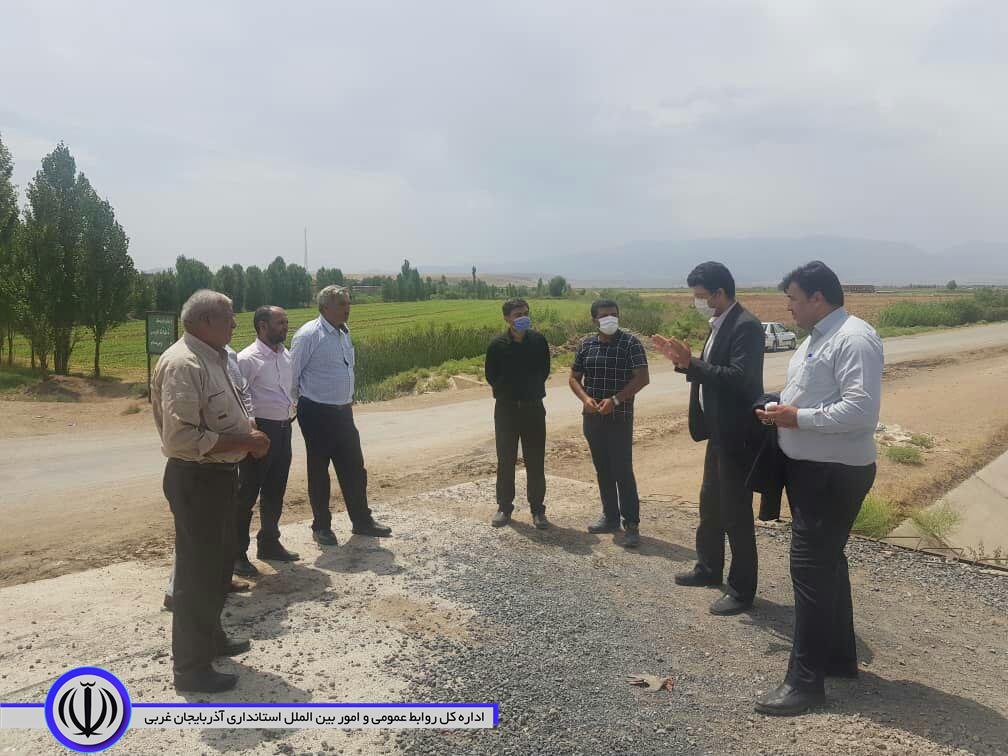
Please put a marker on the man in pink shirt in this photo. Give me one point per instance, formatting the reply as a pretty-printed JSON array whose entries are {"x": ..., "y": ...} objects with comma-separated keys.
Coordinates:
[{"x": 265, "y": 365}]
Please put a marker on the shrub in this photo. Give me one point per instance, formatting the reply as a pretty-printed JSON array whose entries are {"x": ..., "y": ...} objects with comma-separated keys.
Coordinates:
[
  {"x": 922, "y": 440},
  {"x": 938, "y": 522},
  {"x": 876, "y": 518},
  {"x": 905, "y": 455}
]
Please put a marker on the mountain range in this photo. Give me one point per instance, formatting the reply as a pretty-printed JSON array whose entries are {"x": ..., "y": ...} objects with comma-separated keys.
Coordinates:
[{"x": 758, "y": 262}]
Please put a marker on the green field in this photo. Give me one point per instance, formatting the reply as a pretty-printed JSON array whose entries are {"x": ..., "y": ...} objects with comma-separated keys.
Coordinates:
[{"x": 123, "y": 356}]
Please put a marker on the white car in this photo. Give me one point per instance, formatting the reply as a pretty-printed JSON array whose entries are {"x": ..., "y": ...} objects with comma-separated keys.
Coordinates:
[{"x": 778, "y": 337}]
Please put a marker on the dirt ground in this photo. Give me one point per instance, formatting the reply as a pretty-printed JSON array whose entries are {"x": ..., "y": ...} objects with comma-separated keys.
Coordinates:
[
  {"x": 547, "y": 624},
  {"x": 969, "y": 431}
]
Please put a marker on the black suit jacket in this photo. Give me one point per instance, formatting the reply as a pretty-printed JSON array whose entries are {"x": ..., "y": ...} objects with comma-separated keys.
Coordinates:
[{"x": 732, "y": 379}]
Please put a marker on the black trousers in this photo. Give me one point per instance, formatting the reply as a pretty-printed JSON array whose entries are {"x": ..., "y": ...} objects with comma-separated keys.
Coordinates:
[
  {"x": 203, "y": 500},
  {"x": 825, "y": 499},
  {"x": 265, "y": 479},
  {"x": 726, "y": 510},
  {"x": 610, "y": 439},
  {"x": 526, "y": 422},
  {"x": 331, "y": 436}
]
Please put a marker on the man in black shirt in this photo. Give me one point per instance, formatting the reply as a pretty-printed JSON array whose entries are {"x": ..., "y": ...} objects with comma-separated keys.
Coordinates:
[
  {"x": 517, "y": 366},
  {"x": 610, "y": 367}
]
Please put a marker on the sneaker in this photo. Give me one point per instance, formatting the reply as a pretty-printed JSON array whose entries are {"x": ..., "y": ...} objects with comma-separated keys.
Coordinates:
[
  {"x": 602, "y": 525},
  {"x": 501, "y": 519},
  {"x": 540, "y": 521}
]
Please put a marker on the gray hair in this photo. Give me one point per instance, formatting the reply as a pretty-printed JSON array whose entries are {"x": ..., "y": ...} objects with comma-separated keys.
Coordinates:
[
  {"x": 201, "y": 304},
  {"x": 332, "y": 293}
]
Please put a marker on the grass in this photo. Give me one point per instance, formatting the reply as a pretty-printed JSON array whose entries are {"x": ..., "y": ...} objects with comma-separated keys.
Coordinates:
[
  {"x": 396, "y": 339},
  {"x": 922, "y": 440},
  {"x": 905, "y": 455},
  {"x": 988, "y": 305},
  {"x": 876, "y": 519},
  {"x": 936, "y": 522},
  {"x": 15, "y": 377}
]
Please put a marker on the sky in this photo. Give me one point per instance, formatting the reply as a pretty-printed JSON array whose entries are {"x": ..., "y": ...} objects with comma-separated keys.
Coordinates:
[{"x": 450, "y": 132}]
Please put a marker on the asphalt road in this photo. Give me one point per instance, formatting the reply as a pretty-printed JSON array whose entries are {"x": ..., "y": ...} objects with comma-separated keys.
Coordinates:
[{"x": 51, "y": 468}]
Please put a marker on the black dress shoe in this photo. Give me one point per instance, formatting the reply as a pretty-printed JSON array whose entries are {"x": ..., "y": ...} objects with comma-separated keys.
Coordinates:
[
  {"x": 373, "y": 529},
  {"x": 501, "y": 519},
  {"x": 244, "y": 568},
  {"x": 540, "y": 521},
  {"x": 325, "y": 537},
  {"x": 728, "y": 605},
  {"x": 225, "y": 646},
  {"x": 602, "y": 525},
  {"x": 787, "y": 701},
  {"x": 169, "y": 602},
  {"x": 276, "y": 553},
  {"x": 205, "y": 681},
  {"x": 697, "y": 577}
]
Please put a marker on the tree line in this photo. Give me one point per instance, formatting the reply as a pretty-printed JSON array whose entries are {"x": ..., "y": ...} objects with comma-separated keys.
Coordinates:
[
  {"x": 64, "y": 262},
  {"x": 65, "y": 266}
]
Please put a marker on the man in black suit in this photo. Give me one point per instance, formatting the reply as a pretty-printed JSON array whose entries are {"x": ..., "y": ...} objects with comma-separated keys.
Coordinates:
[{"x": 726, "y": 379}]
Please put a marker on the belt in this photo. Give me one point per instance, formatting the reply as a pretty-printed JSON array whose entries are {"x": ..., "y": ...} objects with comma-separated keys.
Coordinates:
[
  {"x": 327, "y": 406},
  {"x": 221, "y": 466},
  {"x": 279, "y": 423},
  {"x": 522, "y": 402}
]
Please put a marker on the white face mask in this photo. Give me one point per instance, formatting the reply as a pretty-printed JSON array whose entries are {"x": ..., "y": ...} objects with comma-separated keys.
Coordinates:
[
  {"x": 703, "y": 308},
  {"x": 608, "y": 325}
]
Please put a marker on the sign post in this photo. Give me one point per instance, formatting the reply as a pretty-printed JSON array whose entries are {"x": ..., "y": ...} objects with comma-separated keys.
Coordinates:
[{"x": 162, "y": 332}]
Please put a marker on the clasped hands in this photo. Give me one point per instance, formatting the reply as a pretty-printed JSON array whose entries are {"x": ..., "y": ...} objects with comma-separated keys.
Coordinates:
[{"x": 674, "y": 349}]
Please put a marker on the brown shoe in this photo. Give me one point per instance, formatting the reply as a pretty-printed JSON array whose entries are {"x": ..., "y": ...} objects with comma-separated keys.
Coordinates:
[{"x": 238, "y": 586}]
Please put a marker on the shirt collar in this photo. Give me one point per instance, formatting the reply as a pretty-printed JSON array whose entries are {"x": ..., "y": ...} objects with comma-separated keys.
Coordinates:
[
  {"x": 264, "y": 349},
  {"x": 831, "y": 322},
  {"x": 716, "y": 322},
  {"x": 330, "y": 328},
  {"x": 203, "y": 349}
]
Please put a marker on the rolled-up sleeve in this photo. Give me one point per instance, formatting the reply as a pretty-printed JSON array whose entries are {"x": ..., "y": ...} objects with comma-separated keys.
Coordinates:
[
  {"x": 858, "y": 369},
  {"x": 184, "y": 434}
]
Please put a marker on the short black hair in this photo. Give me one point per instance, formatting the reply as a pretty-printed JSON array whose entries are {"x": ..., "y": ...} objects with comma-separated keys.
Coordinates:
[
  {"x": 712, "y": 276},
  {"x": 262, "y": 315},
  {"x": 513, "y": 304},
  {"x": 599, "y": 304},
  {"x": 816, "y": 276}
]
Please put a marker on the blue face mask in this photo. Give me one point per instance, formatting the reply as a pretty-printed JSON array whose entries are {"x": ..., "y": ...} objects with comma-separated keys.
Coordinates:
[{"x": 523, "y": 323}]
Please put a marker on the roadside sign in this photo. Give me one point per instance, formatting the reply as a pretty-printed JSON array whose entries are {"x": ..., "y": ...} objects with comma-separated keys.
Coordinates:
[{"x": 162, "y": 332}]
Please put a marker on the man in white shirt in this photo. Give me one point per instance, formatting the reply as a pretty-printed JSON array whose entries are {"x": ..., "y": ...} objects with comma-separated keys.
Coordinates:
[
  {"x": 826, "y": 422},
  {"x": 265, "y": 366},
  {"x": 322, "y": 386}
]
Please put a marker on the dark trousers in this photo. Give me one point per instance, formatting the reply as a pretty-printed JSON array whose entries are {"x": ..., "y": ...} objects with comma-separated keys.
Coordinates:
[
  {"x": 526, "y": 422},
  {"x": 610, "y": 438},
  {"x": 825, "y": 499},
  {"x": 265, "y": 479},
  {"x": 726, "y": 510},
  {"x": 331, "y": 436},
  {"x": 203, "y": 500}
]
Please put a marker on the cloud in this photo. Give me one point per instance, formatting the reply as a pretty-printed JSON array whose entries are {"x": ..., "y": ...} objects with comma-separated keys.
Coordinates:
[{"x": 451, "y": 131}]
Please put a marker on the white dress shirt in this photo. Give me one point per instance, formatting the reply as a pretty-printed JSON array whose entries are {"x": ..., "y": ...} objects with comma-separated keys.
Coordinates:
[
  {"x": 268, "y": 375},
  {"x": 322, "y": 363},
  {"x": 835, "y": 379},
  {"x": 240, "y": 384},
  {"x": 715, "y": 325}
]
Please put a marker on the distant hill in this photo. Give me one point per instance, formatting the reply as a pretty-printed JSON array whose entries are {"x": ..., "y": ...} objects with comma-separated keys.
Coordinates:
[{"x": 761, "y": 262}]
